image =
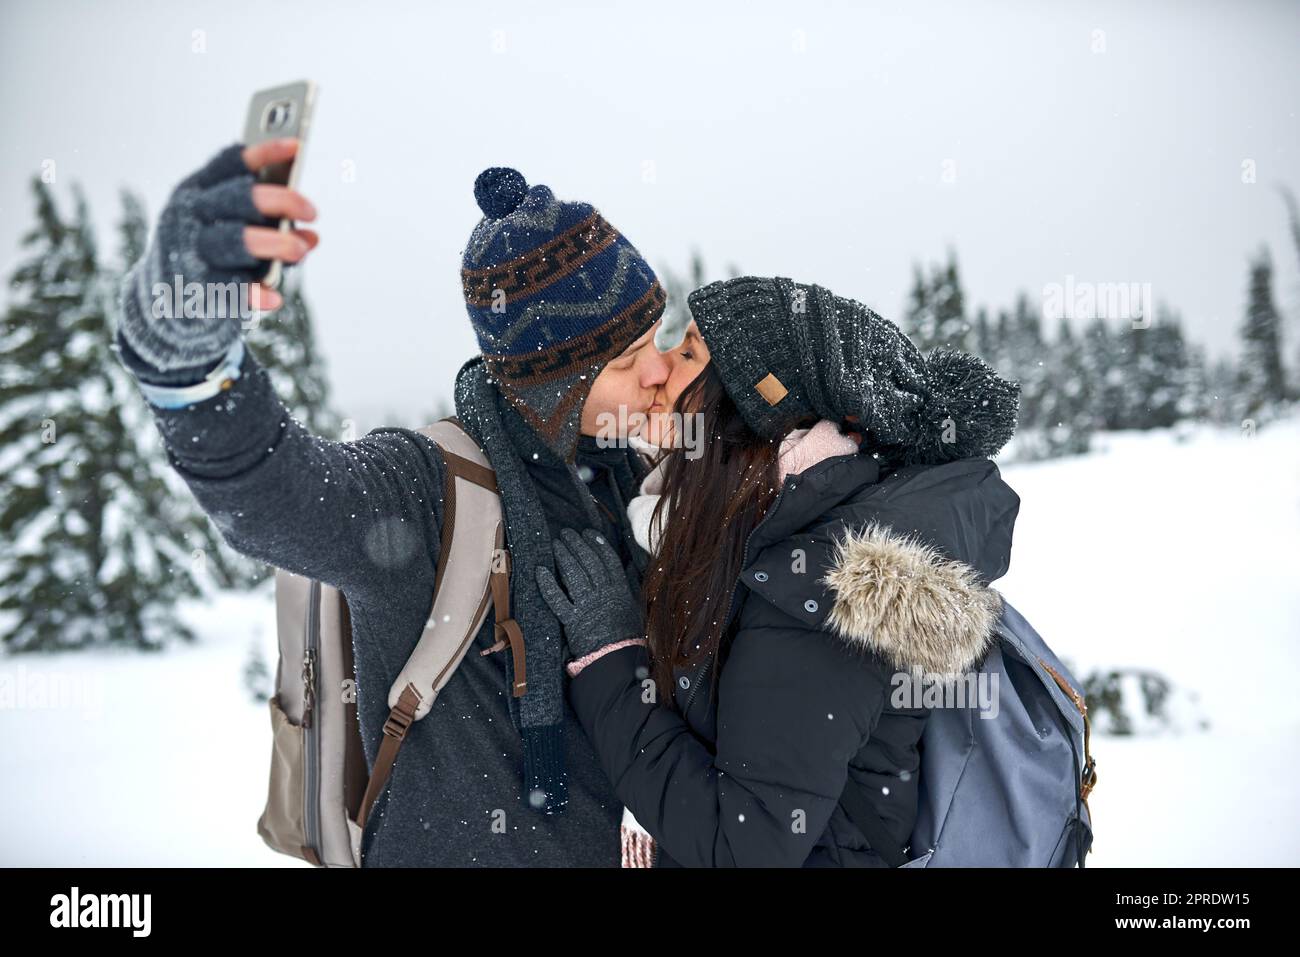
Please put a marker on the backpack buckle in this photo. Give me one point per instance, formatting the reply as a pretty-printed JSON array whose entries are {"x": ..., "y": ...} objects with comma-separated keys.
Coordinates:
[
  {"x": 1089, "y": 778},
  {"x": 508, "y": 634},
  {"x": 402, "y": 714}
]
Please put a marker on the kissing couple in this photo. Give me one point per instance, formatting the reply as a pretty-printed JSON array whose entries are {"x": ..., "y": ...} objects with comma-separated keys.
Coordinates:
[{"x": 713, "y": 599}]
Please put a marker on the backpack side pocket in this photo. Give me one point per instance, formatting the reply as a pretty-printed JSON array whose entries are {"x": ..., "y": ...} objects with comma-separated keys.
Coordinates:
[{"x": 282, "y": 824}]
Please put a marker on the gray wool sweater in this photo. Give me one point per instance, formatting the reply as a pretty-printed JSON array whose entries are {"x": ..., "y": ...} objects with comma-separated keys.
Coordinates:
[{"x": 364, "y": 516}]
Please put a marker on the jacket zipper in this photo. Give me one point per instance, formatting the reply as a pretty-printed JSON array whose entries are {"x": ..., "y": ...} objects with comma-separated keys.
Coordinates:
[
  {"x": 703, "y": 675},
  {"x": 708, "y": 665},
  {"x": 311, "y": 758}
]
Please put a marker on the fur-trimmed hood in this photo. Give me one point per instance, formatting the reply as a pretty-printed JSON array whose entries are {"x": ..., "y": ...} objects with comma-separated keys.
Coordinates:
[
  {"x": 900, "y": 598},
  {"x": 899, "y": 566}
]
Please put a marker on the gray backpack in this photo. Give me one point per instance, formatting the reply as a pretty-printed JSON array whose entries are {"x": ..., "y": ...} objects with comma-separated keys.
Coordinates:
[
  {"x": 319, "y": 794},
  {"x": 1005, "y": 791}
]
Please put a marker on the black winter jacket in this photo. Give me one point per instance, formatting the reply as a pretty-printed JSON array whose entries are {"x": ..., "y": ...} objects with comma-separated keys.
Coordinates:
[{"x": 848, "y": 581}]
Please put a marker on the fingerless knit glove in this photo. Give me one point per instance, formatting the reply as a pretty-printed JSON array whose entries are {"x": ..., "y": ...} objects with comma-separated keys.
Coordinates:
[{"x": 199, "y": 239}]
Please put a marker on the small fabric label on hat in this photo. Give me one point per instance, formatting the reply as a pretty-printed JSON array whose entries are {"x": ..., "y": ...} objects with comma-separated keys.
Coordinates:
[{"x": 771, "y": 389}]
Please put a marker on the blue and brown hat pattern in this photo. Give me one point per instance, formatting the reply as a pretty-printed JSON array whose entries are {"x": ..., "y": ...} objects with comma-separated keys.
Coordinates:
[{"x": 554, "y": 292}]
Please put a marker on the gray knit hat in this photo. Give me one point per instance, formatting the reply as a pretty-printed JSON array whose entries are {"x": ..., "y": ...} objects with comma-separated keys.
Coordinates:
[{"x": 790, "y": 353}]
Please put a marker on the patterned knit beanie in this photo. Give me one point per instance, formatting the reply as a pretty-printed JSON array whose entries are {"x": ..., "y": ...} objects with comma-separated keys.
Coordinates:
[
  {"x": 789, "y": 353},
  {"x": 554, "y": 293}
]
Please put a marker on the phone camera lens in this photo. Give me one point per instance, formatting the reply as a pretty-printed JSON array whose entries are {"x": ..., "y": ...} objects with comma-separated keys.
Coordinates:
[{"x": 278, "y": 116}]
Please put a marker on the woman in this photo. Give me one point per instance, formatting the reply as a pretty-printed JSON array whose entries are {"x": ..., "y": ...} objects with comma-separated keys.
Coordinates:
[{"x": 750, "y": 714}]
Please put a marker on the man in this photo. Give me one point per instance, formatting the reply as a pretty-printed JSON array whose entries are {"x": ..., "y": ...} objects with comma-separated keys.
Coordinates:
[{"x": 565, "y": 311}]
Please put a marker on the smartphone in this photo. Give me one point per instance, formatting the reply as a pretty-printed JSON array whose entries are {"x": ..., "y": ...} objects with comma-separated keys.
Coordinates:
[{"x": 273, "y": 114}]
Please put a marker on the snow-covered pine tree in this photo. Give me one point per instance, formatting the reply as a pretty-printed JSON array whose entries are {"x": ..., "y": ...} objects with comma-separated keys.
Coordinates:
[
  {"x": 1195, "y": 402},
  {"x": 1164, "y": 369},
  {"x": 1222, "y": 400},
  {"x": 226, "y": 567},
  {"x": 918, "y": 318},
  {"x": 1293, "y": 224},
  {"x": 97, "y": 551},
  {"x": 952, "y": 325},
  {"x": 1263, "y": 380},
  {"x": 984, "y": 332},
  {"x": 284, "y": 342},
  {"x": 1067, "y": 418},
  {"x": 699, "y": 275},
  {"x": 1129, "y": 348},
  {"x": 677, "y": 287},
  {"x": 1173, "y": 352},
  {"x": 1000, "y": 357},
  {"x": 1103, "y": 357},
  {"x": 935, "y": 316},
  {"x": 1027, "y": 356},
  {"x": 1020, "y": 352}
]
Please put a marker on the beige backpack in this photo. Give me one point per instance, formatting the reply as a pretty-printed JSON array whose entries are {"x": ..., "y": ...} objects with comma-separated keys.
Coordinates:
[{"x": 320, "y": 794}]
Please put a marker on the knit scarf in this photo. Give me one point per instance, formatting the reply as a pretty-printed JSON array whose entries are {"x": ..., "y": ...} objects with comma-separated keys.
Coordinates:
[
  {"x": 539, "y": 714},
  {"x": 512, "y": 447}
]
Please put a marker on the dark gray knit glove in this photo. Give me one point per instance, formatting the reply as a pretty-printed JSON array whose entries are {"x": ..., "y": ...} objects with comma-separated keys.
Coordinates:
[
  {"x": 599, "y": 607},
  {"x": 200, "y": 238}
]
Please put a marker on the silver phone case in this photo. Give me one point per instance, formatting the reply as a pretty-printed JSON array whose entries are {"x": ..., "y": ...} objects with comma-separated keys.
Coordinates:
[{"x": 302, "y": 98}]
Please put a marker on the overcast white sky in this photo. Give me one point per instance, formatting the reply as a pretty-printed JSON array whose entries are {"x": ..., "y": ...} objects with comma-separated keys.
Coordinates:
[{"x": 807, "y": 140}]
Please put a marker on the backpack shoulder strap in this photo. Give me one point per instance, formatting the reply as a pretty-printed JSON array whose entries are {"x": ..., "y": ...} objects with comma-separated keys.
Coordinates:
[
  {"x": 461, "y": 453},
  {"x": 473, "y": 569},
  {"x": 465, "y": 460}
]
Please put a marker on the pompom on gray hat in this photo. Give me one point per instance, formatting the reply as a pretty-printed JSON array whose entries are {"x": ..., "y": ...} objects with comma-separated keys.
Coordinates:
[{"x": 789, "y": 353}]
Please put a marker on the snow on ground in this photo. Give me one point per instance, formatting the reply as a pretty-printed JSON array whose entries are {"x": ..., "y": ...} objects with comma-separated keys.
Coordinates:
[
  {"x": 1158, "y": 550},
  {"x": 150, "y": 759}
]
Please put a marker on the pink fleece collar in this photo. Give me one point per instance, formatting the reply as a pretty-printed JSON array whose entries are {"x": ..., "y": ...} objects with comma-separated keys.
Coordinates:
[{"x": 804, "y": 448}]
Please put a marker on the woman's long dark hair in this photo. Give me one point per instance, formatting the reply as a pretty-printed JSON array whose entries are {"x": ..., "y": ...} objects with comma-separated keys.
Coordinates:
[{"x": 708, "y": 508}]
